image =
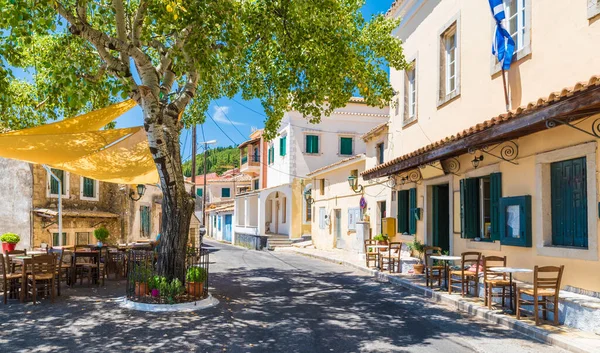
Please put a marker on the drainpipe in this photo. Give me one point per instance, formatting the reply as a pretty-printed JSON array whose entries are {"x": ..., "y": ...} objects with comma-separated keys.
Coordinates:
[{"x": 60, "y": 237}]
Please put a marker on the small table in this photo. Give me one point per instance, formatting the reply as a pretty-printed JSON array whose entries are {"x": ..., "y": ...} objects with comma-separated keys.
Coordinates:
[
  {"x": 37, "y": 252},
  {"x": 378, "y": 247},
  {"x": 445, "y": 259},
  {"x": 510, "y": 271}
]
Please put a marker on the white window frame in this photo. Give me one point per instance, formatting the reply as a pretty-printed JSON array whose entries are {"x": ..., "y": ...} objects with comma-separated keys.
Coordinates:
[
  {"x": 523, "y": 32},
  {"x": 451, "y": 28},
  {"x": 451, "y": 49},
  {"x": 482, "y": 181},
  {"x": 66, "y": 182},
  {"x": 340, "y": 145},
  {"x": 412, "y": 94},
  {"x": 96, "y": 190},
  {"x": 322, "y": 217},
  {"x": 319, "y": 137},
  {"x": 353, "y": 217}
]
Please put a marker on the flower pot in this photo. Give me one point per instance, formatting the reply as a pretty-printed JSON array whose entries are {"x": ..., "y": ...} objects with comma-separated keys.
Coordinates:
[
  {"x": 141, "y": 289},
  {"x": 8, "y": 247},
  {"x": 418, "y": 268},
  {"x": 99, "y": 244},
  {"x": 155, "y": 293},
  {"x": 195, "y": 289},
  {"x": 382, "y": 242}
]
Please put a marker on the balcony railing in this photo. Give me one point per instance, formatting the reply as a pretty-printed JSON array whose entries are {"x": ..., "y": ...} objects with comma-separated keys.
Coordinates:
[
  {"x": 244, "y": 159},
  {"x": 255, "y": 159}
]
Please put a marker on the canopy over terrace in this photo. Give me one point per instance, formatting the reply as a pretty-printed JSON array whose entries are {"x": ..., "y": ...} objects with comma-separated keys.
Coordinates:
[{"x": 77, "y": 145}]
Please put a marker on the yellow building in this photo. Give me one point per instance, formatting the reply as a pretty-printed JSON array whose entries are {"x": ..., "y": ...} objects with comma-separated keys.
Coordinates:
[{"x": 471, "y": 176}]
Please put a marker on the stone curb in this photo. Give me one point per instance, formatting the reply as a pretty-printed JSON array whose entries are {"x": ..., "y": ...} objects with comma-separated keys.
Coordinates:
[
  {"x": 184, "y": 307},
  {"x": 469, "y": 308}
]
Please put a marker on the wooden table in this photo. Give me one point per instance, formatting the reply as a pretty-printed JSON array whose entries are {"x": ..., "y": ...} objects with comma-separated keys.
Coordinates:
[
  {"x": 445, "y": 259},
  {"x": 24, "y": 261},
  {"x": 510, "y": 271},
  {"x": 94, "y": 255}
]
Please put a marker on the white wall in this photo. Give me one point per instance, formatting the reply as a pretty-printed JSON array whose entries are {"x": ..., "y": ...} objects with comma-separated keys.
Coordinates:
[{"x": 16, "y": 188}]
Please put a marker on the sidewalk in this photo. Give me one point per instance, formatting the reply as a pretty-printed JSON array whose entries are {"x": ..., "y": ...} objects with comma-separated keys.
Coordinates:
[{"x": 562, "y": 336}]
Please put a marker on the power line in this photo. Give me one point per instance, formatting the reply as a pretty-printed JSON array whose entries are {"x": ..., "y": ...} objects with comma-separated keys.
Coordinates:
[
  {"x": 213, "y": 120},
  {"x": 250, "y": 109},
  {"x": 232, "y": 124}
]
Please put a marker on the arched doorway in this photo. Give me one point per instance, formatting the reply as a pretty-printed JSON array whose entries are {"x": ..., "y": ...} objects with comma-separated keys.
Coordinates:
[{"x": 276, "y": 213}]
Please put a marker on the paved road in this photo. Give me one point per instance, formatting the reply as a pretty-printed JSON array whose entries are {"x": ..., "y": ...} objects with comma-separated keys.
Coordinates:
[{"x": 270, "y": 302}]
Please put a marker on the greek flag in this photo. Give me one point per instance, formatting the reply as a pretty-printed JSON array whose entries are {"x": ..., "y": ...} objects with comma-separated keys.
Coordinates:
[{"x": 503, "y": 45}]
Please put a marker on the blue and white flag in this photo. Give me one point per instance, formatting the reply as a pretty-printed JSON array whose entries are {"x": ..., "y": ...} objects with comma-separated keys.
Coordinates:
[{"x": 503, "y": 45}]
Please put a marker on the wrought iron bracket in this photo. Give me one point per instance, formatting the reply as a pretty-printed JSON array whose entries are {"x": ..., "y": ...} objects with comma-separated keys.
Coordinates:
[
  {"x": 450, "y": 165},
  {"x": 412, "y": 176},
  {"x": 509, "y": 151},
  {"x": 550, "y": 123}
]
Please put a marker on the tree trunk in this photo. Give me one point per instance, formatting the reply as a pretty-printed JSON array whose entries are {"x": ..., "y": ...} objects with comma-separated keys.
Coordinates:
[{"x": 161, "y": 125}]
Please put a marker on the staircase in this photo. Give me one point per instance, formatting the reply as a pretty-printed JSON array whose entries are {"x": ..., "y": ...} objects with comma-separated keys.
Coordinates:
[{"x": 278, "y": 241}]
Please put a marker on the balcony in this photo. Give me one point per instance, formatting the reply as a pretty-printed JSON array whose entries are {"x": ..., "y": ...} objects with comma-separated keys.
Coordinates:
[{"x": 250, "y": 164}]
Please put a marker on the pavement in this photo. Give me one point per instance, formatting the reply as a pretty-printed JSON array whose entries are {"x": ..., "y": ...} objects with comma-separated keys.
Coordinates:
[{"x": 269, "y": 302}]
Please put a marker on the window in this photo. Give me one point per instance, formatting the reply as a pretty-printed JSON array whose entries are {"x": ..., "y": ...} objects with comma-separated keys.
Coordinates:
[
  {"x": 569, "y": 203},
  {"x": 380, "y": 149},
  {"x": 312, "y": 144},
  {"x": 410, "y": 93},
  {"x": 283, "y": 210},
  {"x": 480, "y": 213},
  {"x": 57, "y": 242},
  {"x": 145, "y": 221},
  {"x": 256, "y": 184},
  {"x": 199, "y": 192},
  {"x": 515, "y": 221},
  {"x": 322, "y": 217},
  {"x": 82, "y": 238},
  {"x": 354, "y": 216},
  {"x": 271, "y": 154},
  {"x": 89, "y": 189},
  {"x": 255, "y": 154},
  {"x": 218, "y": 222},
  {"x": 225, "y": 192},
  {"x": 282, "y": 146},
  {"x": 449, "y": 64},
  {"x": 407, "y": 211},
  {"x": 515, "y": 21},
  {"x": 53, "y": 184},
  {"x": 321, "y": 186},
  {"x": 346, "y": 146},
  {"x": 307, "y": 211},
  {"x": 397, "y": 106}
]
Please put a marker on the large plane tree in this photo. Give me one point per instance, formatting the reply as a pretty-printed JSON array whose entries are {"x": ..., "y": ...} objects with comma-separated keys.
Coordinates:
[{"x": 62, "y": 57}]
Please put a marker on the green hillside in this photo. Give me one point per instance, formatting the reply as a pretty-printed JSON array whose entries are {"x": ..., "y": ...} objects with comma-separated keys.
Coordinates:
[{"x": 219, "y": 160}]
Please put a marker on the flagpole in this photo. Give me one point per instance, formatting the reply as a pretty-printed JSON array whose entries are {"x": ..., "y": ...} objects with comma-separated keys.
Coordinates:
[{"x": 505, "y": 90}]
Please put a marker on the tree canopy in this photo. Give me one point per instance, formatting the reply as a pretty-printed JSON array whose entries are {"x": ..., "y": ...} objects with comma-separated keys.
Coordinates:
[{"x": 81, "y": 55}]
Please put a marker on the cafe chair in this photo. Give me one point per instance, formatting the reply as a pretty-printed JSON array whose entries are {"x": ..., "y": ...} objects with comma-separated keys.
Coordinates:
[
  {"x": 545, "y": 293},
  {"x": 115, "y": 263},
  {"x": 15, "y": 268},
  {"x": 11, "y": 282},
  {"x": 60, "y": 270},
  {"x": 433, "y": 272},
  {"x": 469, "y": 272},
  {"x": 493, "y": 280},
  {"x": 371, "y": 253},
  {"x": 391, "y": 257},
  {"x": 43, "y": 275}
]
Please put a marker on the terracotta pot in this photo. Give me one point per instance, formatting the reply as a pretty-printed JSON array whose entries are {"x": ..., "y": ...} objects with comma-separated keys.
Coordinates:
[
  {"x": 195, "y": 289},
  {"x": 418, "y": 268},
  {"x": 8, "y": 247},
  {"x": 141, "y": 289},
  {"x": 382, "y": 242}
]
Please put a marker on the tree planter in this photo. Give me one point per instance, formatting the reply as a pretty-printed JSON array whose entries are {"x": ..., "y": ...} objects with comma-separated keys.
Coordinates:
[
  {"x": 382, "y": 242},
  {"x": 195, "y": 289},
  {"x": 418, "y": 268},
  {"x": 8, "y": 247},
  {"x": 141, "y": 289}
]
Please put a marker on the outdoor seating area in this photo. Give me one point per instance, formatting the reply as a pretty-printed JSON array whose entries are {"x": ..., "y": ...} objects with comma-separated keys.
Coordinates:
[{"x": 485, "y": 278}]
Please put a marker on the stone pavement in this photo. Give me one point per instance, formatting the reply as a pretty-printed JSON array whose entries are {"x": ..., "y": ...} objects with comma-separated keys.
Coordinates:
[{"x": 562, "y": 336}]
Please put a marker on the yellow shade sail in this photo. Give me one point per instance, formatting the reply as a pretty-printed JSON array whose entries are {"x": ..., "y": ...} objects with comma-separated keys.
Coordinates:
[{"x": 78, "y": 146}]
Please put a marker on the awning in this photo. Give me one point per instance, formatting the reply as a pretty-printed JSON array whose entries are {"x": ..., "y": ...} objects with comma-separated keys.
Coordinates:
[{"x": 559, "y": 108}]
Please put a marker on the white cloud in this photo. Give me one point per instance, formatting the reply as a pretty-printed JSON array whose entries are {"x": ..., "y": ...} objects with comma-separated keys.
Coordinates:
[{"x": 220, "y": 113}]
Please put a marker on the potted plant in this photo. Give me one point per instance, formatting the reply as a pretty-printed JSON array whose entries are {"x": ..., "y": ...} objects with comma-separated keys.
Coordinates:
[
  {"x": 9, "y": 241},
  {"x": 195, "y": 278},
  {"x": 154, "y": 286},
  {"x": 101, "y": 234},
  {"x": 419, "y": 248},
  {"x": 141, "y": 276},
  {"x": 382, "y": 239}
]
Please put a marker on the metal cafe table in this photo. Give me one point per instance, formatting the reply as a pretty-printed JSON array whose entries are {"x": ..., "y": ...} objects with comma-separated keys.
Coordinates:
[
  {"x": 445, "y": 259},
  {"x": 510, "y": 271}
]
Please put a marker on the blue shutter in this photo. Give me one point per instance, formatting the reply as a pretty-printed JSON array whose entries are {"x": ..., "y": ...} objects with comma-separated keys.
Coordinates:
[
  {"x": 412, "y": 215},
  {"x": 282, "y": 146},
  {"x": 225, "y": 192},
  {"x": 199, "y": 192},
  {"x": 403, "y": 209},
  {"x": 495, "y": 196},
  {"x": 346, "y": 146},
  {"x": 89, "y": 187}
]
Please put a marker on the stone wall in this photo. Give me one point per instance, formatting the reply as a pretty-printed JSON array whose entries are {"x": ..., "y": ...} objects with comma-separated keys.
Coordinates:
[{"x": 16, "y": 185}]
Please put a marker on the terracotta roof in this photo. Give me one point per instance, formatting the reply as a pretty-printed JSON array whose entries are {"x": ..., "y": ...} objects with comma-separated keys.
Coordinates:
[
  {"x": 227, "y": 176},
  {"x": 246, "y": 143},
  {"x": 374, "y": 131},
  {"x": 393, "y": 7},
  {"x": 554, "y": 97},
  {"x": 338, "y": 163}
]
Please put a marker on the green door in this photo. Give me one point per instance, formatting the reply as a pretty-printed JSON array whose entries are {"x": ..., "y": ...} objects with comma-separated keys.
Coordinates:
[
  {"x": 569, "y": 203},
  {"x": 441, "y": 217}
]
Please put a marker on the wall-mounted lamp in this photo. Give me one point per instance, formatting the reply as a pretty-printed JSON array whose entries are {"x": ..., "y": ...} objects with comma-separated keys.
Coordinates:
[
  {"x": 141, "y": 189},
  {"x": 308, "y": 197},
  {"x": 353, "y": 182},
  {"x": 476, "y": 160}
]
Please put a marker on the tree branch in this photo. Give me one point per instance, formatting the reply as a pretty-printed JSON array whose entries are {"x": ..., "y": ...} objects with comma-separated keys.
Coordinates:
[
  {"x": 95, "y": 78},
  {"x": 180, "y": 39},
  {"x": 189, "y": 90},
  {"x": 120, "y": 22},
  {"x": 136, "y": 28}
]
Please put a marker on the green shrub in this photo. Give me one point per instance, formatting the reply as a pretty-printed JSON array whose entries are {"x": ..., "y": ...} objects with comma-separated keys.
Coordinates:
[
  {"x": 142, "y": 273},
  {"x": 196, "y": 274},
  {"x": 101, "y": 234},
  {"x": 381, "y": 237},
  {"x": 10, "y": 238},
  {"x": 417, "y": 246}
]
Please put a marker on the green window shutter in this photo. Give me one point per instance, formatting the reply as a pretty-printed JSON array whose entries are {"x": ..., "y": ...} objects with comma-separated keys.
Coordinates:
[
  {"x": 412, "y": 219},
  {"x": 403, "y": 206},
  {"x": 312, "y": 144},
  {"x": 199, "y": 192},
  {"x": 145, "y": 220},
  {"x": 89, "y": 187},
  {"x": 55, "y": 240},
  {"x": 469, "y": 208},
  {"x": 225, "y": 192},
  {"x": 282, "y": 146},
  {"x": 54, "y": 183},
  {"x": 495, "y": 196},
  {"x": 346, "y": 146}
]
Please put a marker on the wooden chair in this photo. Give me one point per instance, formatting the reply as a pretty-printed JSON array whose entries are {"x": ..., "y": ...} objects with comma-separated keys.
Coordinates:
[
  {"x": 371, "y": 254},
  {"x": 391, "y": 257},
  {"x": 465, "y": 275},
  {"x": 11, "y": 282},
  {"x": 43, "y": 272},
  {"x": 59, "y": 253},
  {"x": 493, "y": 280},
  {"x": 433, "y": 272},
  {"x": 14, "y": 268},
  {"x": 545, "y": 291}
]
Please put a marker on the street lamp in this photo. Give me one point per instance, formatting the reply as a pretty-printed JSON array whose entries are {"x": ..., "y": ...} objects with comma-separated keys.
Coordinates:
[
  {"x": 476, "y": 161},
  {"x": 353, "y": 182},
  {"x": 308, "y": 197},
  {"x": 141, "y": 189}
]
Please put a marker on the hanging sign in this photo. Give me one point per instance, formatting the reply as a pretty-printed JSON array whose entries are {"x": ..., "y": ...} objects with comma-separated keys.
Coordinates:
[{"x": 363, "y": 202}]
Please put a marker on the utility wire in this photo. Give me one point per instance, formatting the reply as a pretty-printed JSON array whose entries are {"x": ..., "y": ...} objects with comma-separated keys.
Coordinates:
[{"x": 232, "y": 123}]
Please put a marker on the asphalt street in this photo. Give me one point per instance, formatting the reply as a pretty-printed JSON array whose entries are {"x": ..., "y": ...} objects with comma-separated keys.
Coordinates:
[{"x": 269, "y": 302}]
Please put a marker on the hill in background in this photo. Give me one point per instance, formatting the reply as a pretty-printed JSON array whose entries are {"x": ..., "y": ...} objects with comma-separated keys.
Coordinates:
[{"x": 218, "y": 160}]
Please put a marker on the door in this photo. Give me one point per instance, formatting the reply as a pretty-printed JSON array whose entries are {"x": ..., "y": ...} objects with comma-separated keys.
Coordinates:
[
  {"x": 227, "y": 230},
  {"x": 339, "y": 241},
  {"x": 441, "y": 216},
  {"x": 381, "y": 216}
]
